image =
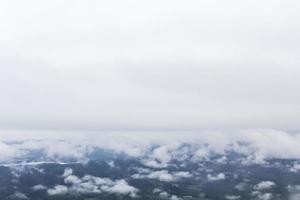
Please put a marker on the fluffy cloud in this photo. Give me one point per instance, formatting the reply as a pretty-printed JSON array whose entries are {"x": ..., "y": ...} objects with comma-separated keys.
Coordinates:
[
  {"x": 18, "y": 169},
  {"x": 67, "y": 172},
  {"x": 57, "y": 190},
  {"x": 264, "y": 185},
  {"x": 19, "y": 195},
  {"x": 201, "y": 154},
  {"x": 217, "y": 177},
  {"x": 8, "y": 152},
  {"x": 232, "y": 197},
  {"x": 294, "y": 192},
  {"x": 174, "y": 197},
  {"x": 241, "y": 186},
  {"x": 163, "y": 175},
  {"x": 39, "y": 187},
  {"x": 262, "y": 196},
  {"x": 92, "y": 184},
  {"x": 295, "y": 167},
  {"x": 165, "y": 195},
  {"x": 156, "y": 150},
  {"x": 160, "y": 156},
  {"x": 121, "y": 187}
]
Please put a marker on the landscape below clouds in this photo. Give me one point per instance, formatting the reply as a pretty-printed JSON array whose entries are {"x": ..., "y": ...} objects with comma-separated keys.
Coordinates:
[{"x": 248, "y": 164}]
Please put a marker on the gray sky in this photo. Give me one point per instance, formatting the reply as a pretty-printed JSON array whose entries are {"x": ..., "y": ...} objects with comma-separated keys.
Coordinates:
[{"x": 149, "y": 65}]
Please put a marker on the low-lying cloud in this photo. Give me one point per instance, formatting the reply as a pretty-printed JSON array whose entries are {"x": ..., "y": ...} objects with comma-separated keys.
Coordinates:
[
  {"x": 91, "y": 184},
  {"x": 155, "y": 149},
  {"x": 163, "y": 175}
]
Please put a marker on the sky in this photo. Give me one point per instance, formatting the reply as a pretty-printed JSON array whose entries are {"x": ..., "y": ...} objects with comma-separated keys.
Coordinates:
[{"x": 139, "y": 65}]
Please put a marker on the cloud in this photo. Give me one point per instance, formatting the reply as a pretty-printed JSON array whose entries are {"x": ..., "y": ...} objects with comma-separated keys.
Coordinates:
[
  {"x": 241, "y": 186},
  {"x": 57, "y": 190},
  {"x": 232, "y": 197},
  {"x": 72, "y": 179},
  {"x": 19, "y": 195},
  {"x": 165, "y": 195},
  {"x": 218, "y": 177},
  {"x": 92, "y": 184},
  {"x": 160, "y": 157},
  {"x": 111, "y": 164},
  {"x": 39, "y": 187},
  {"x": 18, "y": 169},
  {"x": 295, "y": 196},
  {"x": 264, "y": 185},
  {"x": 174, "y": 197},
  {"x": 294, "y": 192},
  {"x": 67, "y": 172},
  {"x": 201, "y": 154},
  {"x": 182, "y": 174},
  {"x": 154, "y": 149},
  {"x": 262, "y": 196},
  {"x": 122, "y": 187},
  {"x": 163, "y": 175},
  {"x": 295, "y": 167},
  {"x": 7, "y": 152},
  {"x": 75, "y": 70}
]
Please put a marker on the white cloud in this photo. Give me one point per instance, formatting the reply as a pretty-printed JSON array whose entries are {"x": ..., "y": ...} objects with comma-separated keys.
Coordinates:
[
  {"x": 232, "y": 197},
  {"x": 174, "y": 197},
  {"x": 67, "y": 172},
  {"x": 156, "y": 190},
  {"x": 217, "y": 177},
  {"x": 39, "y": 187},
  {"x": 162, "y": 155},
  {"x": 294, "y": 192},
  {"x": 163, "y": 175},
  {"x": 255, "y": 145},
  {"x": 18, "y": 169},
  {"x": 122, "y": 187},
  {"x": 163, "y": 194},
  {"x": 241, "y": 186},
  {"x": 19, "y": 195},
  {"x": 111, "y": 163},
  {"x": 182, "y": 174},
  {"x": 262, "y": 196},
  {"x": 293, "y": 188},
  {"x": 178, "y": 72},
  {"x": 72, "y": 179},
  {"x": 265, "y": 196},
  {"x": 92, "y": 184},
  {"x": 8, "y": 152},
  {"x": 295, "y": 167},
  {"x": 57, "y": 190},
  {"x": 201, "y": 154},
  {"x": 166, "y": 195},
  {"x": 264, "y": 185}
]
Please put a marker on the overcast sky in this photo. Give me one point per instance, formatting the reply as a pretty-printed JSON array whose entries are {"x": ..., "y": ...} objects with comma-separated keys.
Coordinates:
[{"x": 149, "y": 65}]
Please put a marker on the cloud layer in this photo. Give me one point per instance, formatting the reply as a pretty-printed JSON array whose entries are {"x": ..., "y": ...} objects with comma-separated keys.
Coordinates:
[
  {"x": 154, "y": 149},
  {"x": 143, "y": 65}
]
